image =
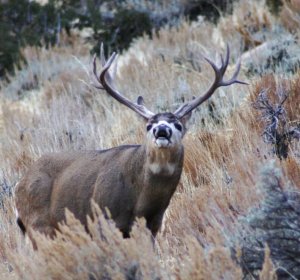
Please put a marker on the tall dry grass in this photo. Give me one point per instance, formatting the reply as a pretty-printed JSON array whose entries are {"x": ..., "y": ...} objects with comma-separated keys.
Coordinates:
[{"x": 50, "y": 106}]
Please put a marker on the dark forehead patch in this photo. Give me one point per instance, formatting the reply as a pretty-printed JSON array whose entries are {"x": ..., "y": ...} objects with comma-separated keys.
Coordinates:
[{"x": 169, "y": 117}]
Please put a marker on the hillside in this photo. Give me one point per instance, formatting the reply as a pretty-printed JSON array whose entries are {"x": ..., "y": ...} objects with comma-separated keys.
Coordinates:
[{"x": 236, "y": 212}]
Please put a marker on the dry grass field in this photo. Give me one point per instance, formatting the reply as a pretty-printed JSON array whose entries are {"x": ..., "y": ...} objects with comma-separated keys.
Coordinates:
[{"x": 236, "y": 212}]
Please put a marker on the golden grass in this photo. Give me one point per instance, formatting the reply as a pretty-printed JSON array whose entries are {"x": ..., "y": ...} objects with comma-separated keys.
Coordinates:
[
  {"x": 289, "y": 15},
  {"x": 224, "y": 155}
]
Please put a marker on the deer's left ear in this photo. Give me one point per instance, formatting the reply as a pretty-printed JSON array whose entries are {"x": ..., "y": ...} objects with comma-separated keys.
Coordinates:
[{"x": 186, "y": 118}]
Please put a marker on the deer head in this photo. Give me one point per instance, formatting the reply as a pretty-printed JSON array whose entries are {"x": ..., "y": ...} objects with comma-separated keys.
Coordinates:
[{"x": 164, "y": 129}]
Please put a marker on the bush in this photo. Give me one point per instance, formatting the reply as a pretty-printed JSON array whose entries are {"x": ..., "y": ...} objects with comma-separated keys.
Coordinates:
[
  {"x": 28, "y": 23},
  {"x": 275, "y": 224}
]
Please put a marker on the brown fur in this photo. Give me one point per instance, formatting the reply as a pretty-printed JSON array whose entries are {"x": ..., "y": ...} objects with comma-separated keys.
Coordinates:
[{"x": 118, "y": 179}]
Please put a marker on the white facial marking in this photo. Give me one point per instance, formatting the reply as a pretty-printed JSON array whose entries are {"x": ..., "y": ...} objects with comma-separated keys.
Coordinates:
[{"x": 162, "y": 142}]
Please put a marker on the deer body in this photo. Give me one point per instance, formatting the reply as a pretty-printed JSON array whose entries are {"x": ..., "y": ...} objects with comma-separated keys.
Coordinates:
[
  {"x": 130, "y": 181},
  {"x": 91, "y": 175}
]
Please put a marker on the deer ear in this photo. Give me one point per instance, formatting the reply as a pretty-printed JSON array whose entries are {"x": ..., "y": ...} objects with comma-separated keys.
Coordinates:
[{"x": 186, "y": 118}]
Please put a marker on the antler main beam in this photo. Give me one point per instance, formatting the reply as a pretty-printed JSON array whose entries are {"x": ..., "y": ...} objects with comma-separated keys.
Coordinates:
[
  {"x": 218, "y": 82},
  {"x": 104, "y": 80}
]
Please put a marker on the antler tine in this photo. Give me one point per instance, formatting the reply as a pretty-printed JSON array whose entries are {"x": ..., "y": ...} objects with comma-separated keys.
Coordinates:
[
  {"x": 103, "y": 64},
  {"x": 140, "y": 100},
  {"x": 102, "y": 55},
  {"x": 96, "y": 73},
  {"x": 224, "y": 65},
  {"x": 234, "y": 76},
  {"x": 218, "y": 82},
  {"x": 104, "y": 80}
]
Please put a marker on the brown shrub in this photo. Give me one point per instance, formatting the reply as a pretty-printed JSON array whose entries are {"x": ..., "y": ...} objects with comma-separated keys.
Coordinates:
[{"x": 277, "y": 109}]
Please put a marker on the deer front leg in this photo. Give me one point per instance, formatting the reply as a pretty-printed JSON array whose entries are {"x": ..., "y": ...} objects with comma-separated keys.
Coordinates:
[{"x": 154, "y": 223}]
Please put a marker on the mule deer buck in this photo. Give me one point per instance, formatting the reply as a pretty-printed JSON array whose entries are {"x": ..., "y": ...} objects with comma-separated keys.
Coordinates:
[{"x": 131, "y": 181}]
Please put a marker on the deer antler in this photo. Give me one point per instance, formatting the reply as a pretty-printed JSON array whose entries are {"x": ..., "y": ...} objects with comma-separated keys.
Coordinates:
[
  {"x": 218, "y": 82},
  {"x": 104, "y": 79}
]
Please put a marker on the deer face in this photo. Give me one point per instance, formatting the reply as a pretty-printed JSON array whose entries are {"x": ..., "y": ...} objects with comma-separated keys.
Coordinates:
[{"x": 165, "y": 130}]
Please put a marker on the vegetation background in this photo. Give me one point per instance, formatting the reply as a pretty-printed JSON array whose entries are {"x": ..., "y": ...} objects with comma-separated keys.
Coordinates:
[{"x": 236, "y": 212}]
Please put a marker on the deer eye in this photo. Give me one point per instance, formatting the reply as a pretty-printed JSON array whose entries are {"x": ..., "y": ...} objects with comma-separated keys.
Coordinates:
[
  {"x": 148, "y": 127},
  {"x": 178, "y": 126}
]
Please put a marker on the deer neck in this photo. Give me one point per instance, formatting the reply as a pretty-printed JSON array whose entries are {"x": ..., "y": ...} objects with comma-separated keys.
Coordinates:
[
  {"x": 164, "y": 161},
  {"x": 161, "y": 174}
]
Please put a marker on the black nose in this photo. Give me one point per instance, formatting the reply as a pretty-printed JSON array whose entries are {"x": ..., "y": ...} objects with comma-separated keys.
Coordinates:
[{"x": 162, "y": 131}]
